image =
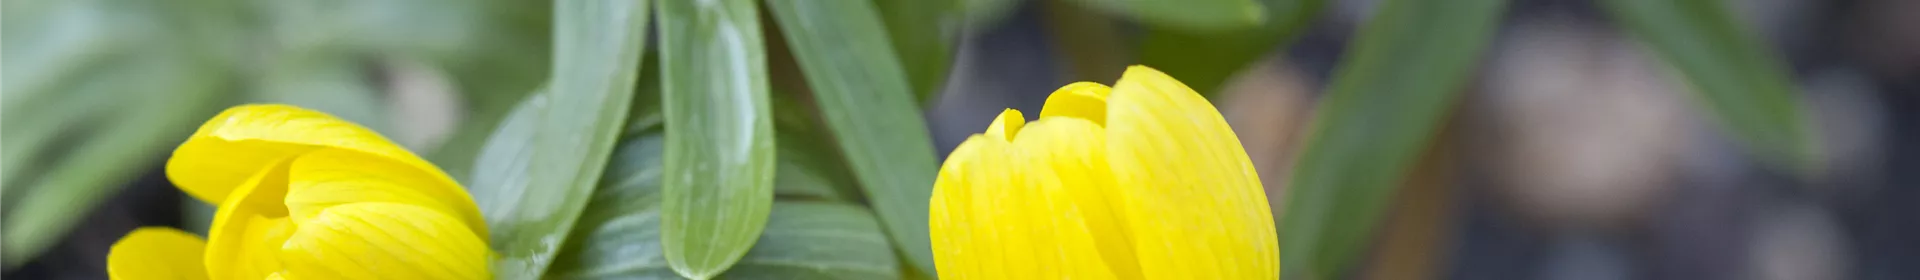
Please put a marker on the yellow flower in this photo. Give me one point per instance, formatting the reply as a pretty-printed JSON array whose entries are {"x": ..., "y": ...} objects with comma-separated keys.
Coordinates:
[
  {"x": 1143, "y": 180},
  {"x": 304, "y": 195}
]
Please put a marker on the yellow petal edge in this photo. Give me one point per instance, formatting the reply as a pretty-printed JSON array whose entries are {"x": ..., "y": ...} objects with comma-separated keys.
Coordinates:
[{"x": 156, "y": 253}]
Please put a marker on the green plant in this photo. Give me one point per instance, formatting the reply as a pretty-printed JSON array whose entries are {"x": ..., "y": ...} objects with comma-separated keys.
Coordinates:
[{"x": 801, "y": 118}]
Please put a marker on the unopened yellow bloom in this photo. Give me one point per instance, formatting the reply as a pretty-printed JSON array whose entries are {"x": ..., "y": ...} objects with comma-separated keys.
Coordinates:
[
  {"x": 1143, "y": 180},
  {"x": 304, "y": 195}
]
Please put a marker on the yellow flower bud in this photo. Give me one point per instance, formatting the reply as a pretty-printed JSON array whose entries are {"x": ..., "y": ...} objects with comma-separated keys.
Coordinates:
[
  {"x": 304, "y": 195},
  {"x": 1143, "y": 180}
]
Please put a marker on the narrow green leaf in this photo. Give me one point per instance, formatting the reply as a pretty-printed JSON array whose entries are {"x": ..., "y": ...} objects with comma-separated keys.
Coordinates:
[
  {"x": 1193, "y": 15},
  {"x": 869, "y": 106},
  {"x": 537, "y": 171},
  {"x": 618, "y": 236},
  {"x": 1205, "y": 67},
  {"x": 1398, "y": 80},
  {"x": 166, "y": 95},
  {"x": 720, "y": 151},
  {"x": 923, "y": 34},
  {"x": 1733, "y": 75}
]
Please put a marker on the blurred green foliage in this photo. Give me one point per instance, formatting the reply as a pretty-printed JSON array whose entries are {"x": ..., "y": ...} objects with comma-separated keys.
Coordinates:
[
  {"x": 83, "y": 99},
  {"x": 1393, "y": 89},
  {"x": 96, "y": 91},
  {"x": 1743, "y": 84},
  {"x": 1205, "y": 67}
]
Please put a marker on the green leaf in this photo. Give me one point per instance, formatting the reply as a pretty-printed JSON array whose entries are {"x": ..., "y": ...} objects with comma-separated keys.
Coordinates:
[
  {"x": 1745, "y": 85},
  {"x": 720, "y": 151},
  {"x": 870, "y": 109},
  {"x": 1194, "y": 15},
  {"x": 162, "y": 97},
  {"x": 807, "y": 166},
  {"x": 923, "y": 34},
  {"x": 618, "y": 236},
  {"x": 819, "y": 240},
  {"x": 1205, "y": 67},
  {"x": 537, "y": 171},
  {"x": 803, "y": 240},
  {"x": 1399, "y": 78},
  {"x": 810, "y": 168}
]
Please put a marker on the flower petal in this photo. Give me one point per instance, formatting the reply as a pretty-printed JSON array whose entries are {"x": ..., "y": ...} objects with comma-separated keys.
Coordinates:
[
  {"x": 1001, "y": 213},
  {"x": 251, "y": 223},
  {"x": 157, "y": 253},
  {"x": 382, "y": 240},
  {"x": 1072, "y": 151},
  {"x": 1085, "y": 100},
  {"x": 1006, "y": 125},
  {"x": 329, "y": 177},
  {"x": 236, "y": 144},
  {"x": 1192, "y": 199},
  {"x": 949, "y": 223}
]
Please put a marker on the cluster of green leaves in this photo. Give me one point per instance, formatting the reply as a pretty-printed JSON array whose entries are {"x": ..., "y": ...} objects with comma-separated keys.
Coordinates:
[
  {"x": 688, "y": 169},
  {"x": 719, "y": 172}
]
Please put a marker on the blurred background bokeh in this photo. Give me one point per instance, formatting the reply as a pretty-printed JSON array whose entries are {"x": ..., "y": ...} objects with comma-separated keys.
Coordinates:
[{"x": 1572, "y": 150}]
